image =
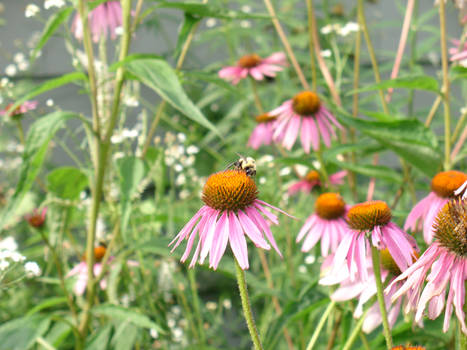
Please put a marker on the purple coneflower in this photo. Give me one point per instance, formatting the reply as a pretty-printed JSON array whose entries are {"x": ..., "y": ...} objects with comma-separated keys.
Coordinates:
[
  {"x": 36, "y": 218},
  {"x": 105, "y": 17},
  {"x": 327, "y": 224},
  {"x": 424, "y": 213},
  {"x": 312, "y": 179},
  {"x": 254, "y": 66},
  {"x": 458, "y": 52},
  {"x": 304, "y": 114},
  {"x": 262, "y": 133},
  {"x": 371, "y": 224},
  {"x": 20, "y": 110},
  {"x": 231, "y": 211},
  {"x": 446, "y": 257}
]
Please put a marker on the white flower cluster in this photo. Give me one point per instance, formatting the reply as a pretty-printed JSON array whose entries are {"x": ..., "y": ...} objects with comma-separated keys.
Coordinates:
[
  {"x": 125, "y": 134},
  {"x": 350, "y": 27},
  {"x": 9, "y": 256},
  {"x": 31, "y": 10},
  {"x": 54, "y": 3}
]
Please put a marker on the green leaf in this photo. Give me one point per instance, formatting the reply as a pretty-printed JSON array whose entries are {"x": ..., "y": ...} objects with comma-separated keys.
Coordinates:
[
  {"x": 408, "y": 138},
  {"x": 120, "y": 313},
  {"x": 37, "y": 141},
  {"x": 131, "y": 170},
  {"x": 21, "y": 333},
  {"x": 67, "y": 182},
  {"x": 160, "y": 77},
  {"x": 124, "y": 337},
  {"x": 206, "y": 10},
  {"x": 418, "y": 82},
  {"x": 46, "y": 304},
  {"x": 189, "y": 23},
  {"x": 50, "y": 27},
  {"x": 100, "y": 339},
  {"x": 378, "y": 171},
  {"x": 458, "y": 72},
  {"x": 50, "y": 85}
]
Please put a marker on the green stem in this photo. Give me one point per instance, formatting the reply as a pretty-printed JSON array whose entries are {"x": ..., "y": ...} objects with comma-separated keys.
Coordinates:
[
  {"x": 194, "y": 295},
  {"x": 242, "y": 287},
  {"x": 258, "y": 104},
  {"x": 314, "y": 75},
  {"x": 462, "y": 338},
  {"x": 356, "y": 331},
  {"x": 445, "y": 90},
  {"x": 20, "y": 131},
  {"x": 320, "y": 325},
  {"x": 322, "y": 169},
  {"x": 371, "y": 51},
  {"x": 379, "y": 293}
]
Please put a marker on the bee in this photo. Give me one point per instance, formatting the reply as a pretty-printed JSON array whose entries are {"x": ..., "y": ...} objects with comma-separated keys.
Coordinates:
[{"x": 246, "y": 164}]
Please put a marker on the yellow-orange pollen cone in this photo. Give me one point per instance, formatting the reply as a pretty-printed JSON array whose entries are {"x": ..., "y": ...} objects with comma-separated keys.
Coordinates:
[
  {"x": 229, "y": 190},
  {"x": 306, "y": 103},
  {"x": 451, "y": 227},
  {"x": 402, "y": 347},
  {"x": 264, "y": 118},
  {"x": 445, "y": 183},
  {"x": 330, "y": 206},
  {"x": 365, "y": 216},
  {"x": 99, "y": 253},
  {"x": 312, "y": 176},
  {"x": 249, "y": 61}
]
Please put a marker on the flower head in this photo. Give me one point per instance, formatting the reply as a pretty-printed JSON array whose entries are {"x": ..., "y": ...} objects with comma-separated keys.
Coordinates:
[
  {"x": 312, "y": 179},
  {"x": 20, "y": 110},
  {"x": 105, "y": 17},
  {"x": 371, "y": 224},
  {"x": 327, "y": 224},
  {"x": 262, "y": 133},
  {"x": 306, "y": 114},
  {"x": 423, "y": 214},
  {"x": 255, "y": 66},
  {"x": 446, "y": 257},
  {"x": 458, "y": 52},
  {"x": 402, "y": 347},
  {"x": 36, "y": 218},
  {"x": 231, "y": 211}
]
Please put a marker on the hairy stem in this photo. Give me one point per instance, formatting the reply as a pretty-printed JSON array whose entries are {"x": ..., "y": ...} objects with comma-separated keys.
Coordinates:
[
  {"x": 375, "y": 255},
  {"x": 242, "y": 287}
]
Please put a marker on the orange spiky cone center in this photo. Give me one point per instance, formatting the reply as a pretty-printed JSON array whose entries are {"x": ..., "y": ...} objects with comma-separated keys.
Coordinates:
[
  {"x": 451, "y": 227},
  {"x": 229, "y": 190},
  {"x": 306, "y": 103},
  {"x": 330, "y": 206},
  {"x": 312, "y": 176},
  {"x": 265, "y": 118},
  {"x": 445, "y": 183},
  {"x": 99, "y": 253},
  {"x": 249, "y": 61},
  {"x": 402, "y": 347},
  {"x": 365, "y": 216}
]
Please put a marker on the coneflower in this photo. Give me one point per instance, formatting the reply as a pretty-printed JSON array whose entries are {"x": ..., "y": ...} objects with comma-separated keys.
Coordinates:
[
  {"x": 423, "y": 215},
  {"x": 327, "y": 224},
  {"x": 262, "y": 133},
  {"x": 446, "y": 257},
  {"x": 304, "y": 114},
  {"x": 312, "y": 179}
]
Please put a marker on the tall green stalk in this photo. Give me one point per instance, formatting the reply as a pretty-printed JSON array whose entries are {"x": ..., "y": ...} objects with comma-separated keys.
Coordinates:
[
  {"x": 320, "y": 325},
  {"x": 379, "y": 293},
  {"x": 242, "y": 287}
]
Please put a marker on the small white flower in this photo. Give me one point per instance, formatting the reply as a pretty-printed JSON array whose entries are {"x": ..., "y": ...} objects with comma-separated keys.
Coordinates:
[
  {"x": 211, "y": 305},
  {"x": 284, "y": 171},
  {"x": 178, "y": 334},
  {"x": 211, "y": 22},
  {"x": 349, "y": 27},
  {"x": 9, "y": 244},
  {"x": 181, "y": 137},
  {"x": 302, "y": 269},
  {"x": 32, "y": 269},
  {"x": 118, "y": 138},
  {"x": 316, "y": 164},
  {"x": 245, "y": 24},
  {"x": 184, "y": 194},
  {"x": 22, "y": 66},
  {"x": 227, "y": 304},
  {"x": 246, "y": 8},
  {"x": 31, "y": 10},
  {"x": 180, "y": 180},
  {"x": 4, "y": 82},
  {"x": 192, "y": 149},
  {"x": 119, "y": 30},
  {"x": 310, "y": 259},
  {"x": 10, "y": 70},
  {"x": 19, "y": 57},
  {"x": 326, "y": 29},
  {"x": 326, "y": 53},
  {"x": 4, "y": 265},
  {"x": 131, "y": 101},
  {"x": 178, "y": 168},
  {"x": 53, "y": 3},
  {"x": 171, "y": 323},
  {"x": 262, "y": 180},
  {"x": 129, "y": 134},
  {"x": 154, "y": 333},
  {"x": 49, "y": 102},
  {"x": 188, "y": 161}
]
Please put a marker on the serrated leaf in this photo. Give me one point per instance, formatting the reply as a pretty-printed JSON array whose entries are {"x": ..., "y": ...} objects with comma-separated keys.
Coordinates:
[
  {"x": 50, "y": 27},
  {"x": 50, "y": 85},
  {"x": 37, "y": 141},
  {"x": 408, "y": 138},
  {"x": 131, "y": 171},
  {"x": 418, "y": 82},
  {"x": 120, "y": 313},
  {"x": 159, "y": 76},
  {"x": 67, "y": 182},
  {"x": 207, "y": 10}
]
